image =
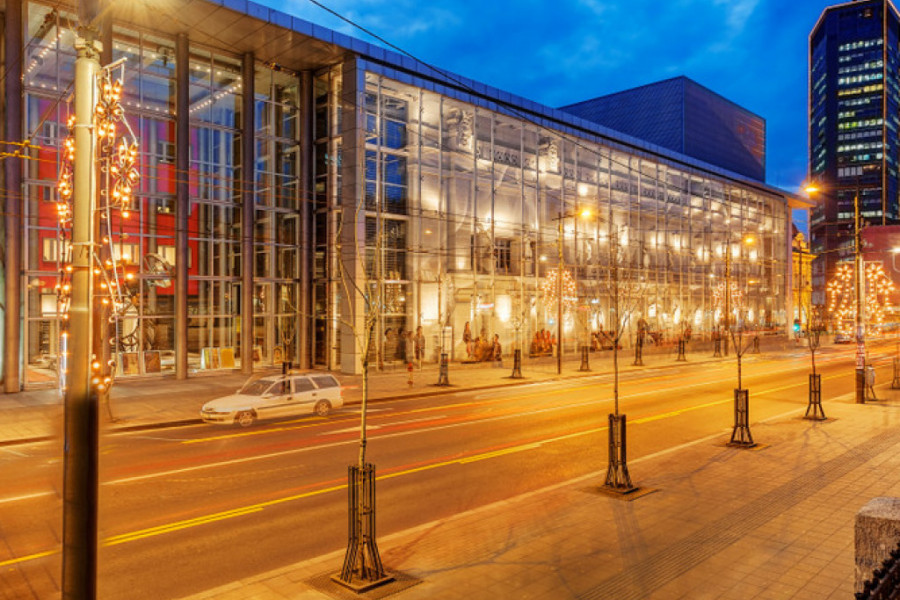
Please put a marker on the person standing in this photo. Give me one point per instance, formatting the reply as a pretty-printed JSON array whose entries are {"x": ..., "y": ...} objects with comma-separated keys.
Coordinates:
[
  {"x": 467, "y": 339},
  {"x": 497, "y": 351},
  {"x": 420, "y": 345}
]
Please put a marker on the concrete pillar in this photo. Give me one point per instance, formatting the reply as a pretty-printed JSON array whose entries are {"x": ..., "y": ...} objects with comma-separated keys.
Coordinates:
[
  {"x": 182, "y": 203},
  {"x": 353, "y": 231},
  {"x": 248, "y": 206},
  {"x": 877, "y": 532},
  {"x": 12, "y": 170}
]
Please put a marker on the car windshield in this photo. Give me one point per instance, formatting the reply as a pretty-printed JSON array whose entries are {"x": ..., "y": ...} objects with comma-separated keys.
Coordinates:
[{"x": 256, "y": 388}]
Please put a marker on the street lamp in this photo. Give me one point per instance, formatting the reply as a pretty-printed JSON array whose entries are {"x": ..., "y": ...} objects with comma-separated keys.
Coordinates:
[{"x": 860, "y": 306}]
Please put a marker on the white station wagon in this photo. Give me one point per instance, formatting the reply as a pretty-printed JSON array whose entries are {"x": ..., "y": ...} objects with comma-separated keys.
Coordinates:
[{"x": 276, "y": 396}]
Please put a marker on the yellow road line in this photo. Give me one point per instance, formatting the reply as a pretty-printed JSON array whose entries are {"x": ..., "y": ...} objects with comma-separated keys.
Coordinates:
[{"x": 22, "y": 559}]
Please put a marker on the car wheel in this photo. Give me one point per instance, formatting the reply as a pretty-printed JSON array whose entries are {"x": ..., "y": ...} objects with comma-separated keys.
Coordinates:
[
  {"x": 245, "y": 418},
  {"x": 323, "y": 407}
]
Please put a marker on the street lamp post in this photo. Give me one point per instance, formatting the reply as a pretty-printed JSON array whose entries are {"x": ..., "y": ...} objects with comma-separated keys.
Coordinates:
[
  {"x": 860, "y": 308},
  {"x": 559, "y": 294}
]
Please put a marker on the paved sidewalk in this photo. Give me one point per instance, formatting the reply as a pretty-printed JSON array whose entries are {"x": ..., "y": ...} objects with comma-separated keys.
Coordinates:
[
  {"x": 730, "y": 524},
  {"x": 37, "y": 415}
]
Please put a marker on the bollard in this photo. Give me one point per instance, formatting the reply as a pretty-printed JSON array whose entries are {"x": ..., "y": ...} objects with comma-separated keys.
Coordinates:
[
  {"x": 443, "y": 373},
  {"x": 815, "y": 399},
  {"x": 585, "y": 361},
  {"x": 870, "y": 383},
  {"x": 517, "y": 364},
  {"x": 740, "y": 435},
  {"x": 681, "y": 356},
  {"x": 895, "y": 384}
]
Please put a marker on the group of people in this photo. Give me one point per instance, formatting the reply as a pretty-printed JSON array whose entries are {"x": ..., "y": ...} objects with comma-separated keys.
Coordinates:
[
  {"x": 480, "y": 349},
  {"x": 542, "y": 343},
  {"x": 404, "y": 345}
]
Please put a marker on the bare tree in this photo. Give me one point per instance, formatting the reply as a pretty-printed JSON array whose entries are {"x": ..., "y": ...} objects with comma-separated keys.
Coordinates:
[{"x": 361, "y": 279}]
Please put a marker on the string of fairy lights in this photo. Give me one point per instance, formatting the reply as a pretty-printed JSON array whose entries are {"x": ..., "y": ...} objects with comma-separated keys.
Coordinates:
[
  {"x": 842, "y": 296},
  {"x": 550, "y": 287},
  {"x": 117, "y": 156}
]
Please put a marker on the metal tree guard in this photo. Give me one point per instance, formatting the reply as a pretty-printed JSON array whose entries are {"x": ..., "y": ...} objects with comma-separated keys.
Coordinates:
[
  {"x": 617, "y": 477},
  {"x": 815, "y": 399},
  {"x": 443, "y": 373},
  {"x": 740, "y": 435},
  {"x": 517, "y": 364},
  {"x": 362, "y": 568},
  {"x": 585, "y": 360}
]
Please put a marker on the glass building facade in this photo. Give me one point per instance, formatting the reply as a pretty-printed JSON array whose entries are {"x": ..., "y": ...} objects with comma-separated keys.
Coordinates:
[
  {"x": 283, "y": 190},
  {"x": 854, "y": 119}
]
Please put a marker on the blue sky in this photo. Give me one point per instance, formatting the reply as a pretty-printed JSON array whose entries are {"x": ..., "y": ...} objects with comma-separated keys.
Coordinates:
[{"x": 753, "y": 52}]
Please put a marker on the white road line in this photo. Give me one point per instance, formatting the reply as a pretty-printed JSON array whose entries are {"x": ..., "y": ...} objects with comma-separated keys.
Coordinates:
[
  {"x": 26, "y": 497},
  {"x": 248, "y": 459}
]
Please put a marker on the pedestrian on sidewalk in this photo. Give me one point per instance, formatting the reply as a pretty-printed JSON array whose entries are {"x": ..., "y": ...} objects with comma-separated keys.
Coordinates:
[
  {"x": 497, "y": 351},
  {"x": 420, "y": 346}
]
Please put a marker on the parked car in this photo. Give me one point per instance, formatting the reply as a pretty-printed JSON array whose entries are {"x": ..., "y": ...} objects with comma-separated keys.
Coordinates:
[
  {"x": 842, "y": 338},
  {"x": 276, "y": 396}
]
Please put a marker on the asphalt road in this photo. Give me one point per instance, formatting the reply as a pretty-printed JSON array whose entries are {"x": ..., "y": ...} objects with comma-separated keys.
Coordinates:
[{"x": 190, "y": 508}]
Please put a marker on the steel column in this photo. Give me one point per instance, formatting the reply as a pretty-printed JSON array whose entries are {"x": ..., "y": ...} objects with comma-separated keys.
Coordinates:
[
  {"x": 12, "y": 244},
  {"x": 182, "y": 203},
  {"x": 248, "y": 206}
]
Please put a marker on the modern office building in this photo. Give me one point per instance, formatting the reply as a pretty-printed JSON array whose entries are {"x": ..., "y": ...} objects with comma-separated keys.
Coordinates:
[
  {"x": 296, "y": 180},
  {"x": 854, "y": 119}
]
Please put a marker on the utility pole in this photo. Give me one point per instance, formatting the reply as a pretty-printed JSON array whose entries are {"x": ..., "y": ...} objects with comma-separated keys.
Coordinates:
[
  {"x": 79, "y": 569},
  {"x": 860, "y": 282}
]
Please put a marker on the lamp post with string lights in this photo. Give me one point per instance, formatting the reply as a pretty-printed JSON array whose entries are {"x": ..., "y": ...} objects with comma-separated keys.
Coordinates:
[{"x": 859, "y": 319}]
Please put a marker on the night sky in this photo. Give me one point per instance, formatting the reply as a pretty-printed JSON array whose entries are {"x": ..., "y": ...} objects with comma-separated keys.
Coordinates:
[{"x": 753, "y": 52}]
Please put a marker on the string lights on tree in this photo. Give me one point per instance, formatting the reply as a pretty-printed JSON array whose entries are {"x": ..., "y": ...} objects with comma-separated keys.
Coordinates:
[
  {"x": 117, "y": 155},
  {"x": 841, "y": 295}
]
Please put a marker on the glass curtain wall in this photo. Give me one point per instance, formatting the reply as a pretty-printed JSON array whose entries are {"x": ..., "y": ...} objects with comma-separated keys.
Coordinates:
[
  {"x": 145, "y": 336},
  {"x": 326, "y": 214},
  {"x": 464, "y": 212},
  {"x": 277, "y": 220},
  {"x": 213, "y": 223},
  {"x": 48, "y": 69}
]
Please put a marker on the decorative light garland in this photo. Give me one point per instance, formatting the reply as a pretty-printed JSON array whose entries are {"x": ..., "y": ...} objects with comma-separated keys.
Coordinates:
[
  {"x": 550, "y": 288},
  {"x": 737, "y": 296},
  {"x": 117, "y": 155},
  {"x": 842, "y": 297}
]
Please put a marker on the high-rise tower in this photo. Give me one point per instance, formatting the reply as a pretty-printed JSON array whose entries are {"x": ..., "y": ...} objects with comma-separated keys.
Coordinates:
[{"x": 854, "y": 94}]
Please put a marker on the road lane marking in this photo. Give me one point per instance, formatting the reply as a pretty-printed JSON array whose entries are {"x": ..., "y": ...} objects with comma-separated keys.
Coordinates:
[
  {"x": 178, "y": 525},
  {"x": 27, "y": 497},
  {"x": 21, "y": 559}
]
